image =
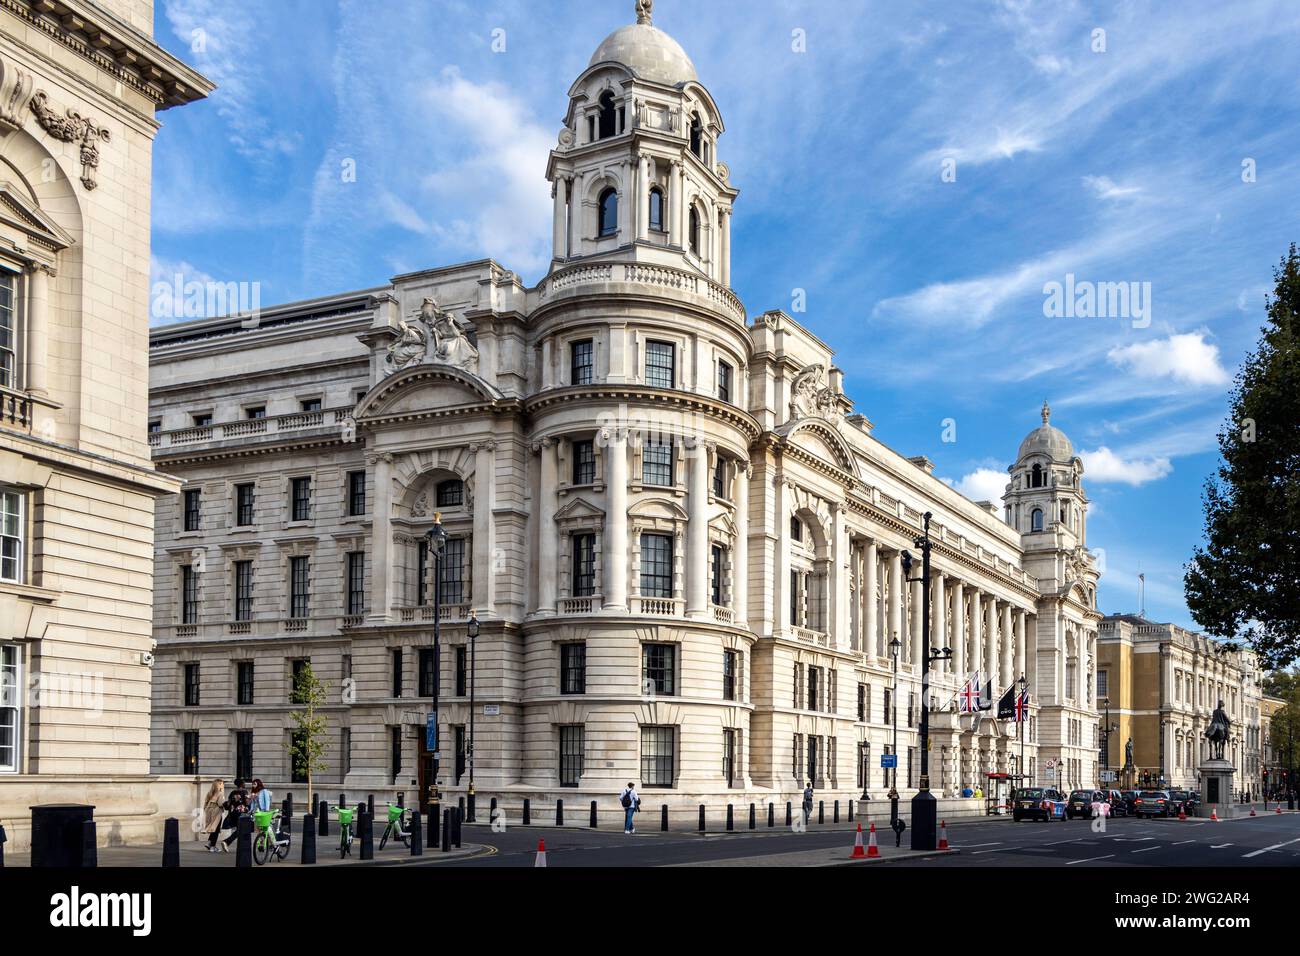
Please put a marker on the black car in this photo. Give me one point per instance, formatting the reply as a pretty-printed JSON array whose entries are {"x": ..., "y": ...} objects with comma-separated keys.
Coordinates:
[
  {"x": 1081, "y": 801},
  {"x": 1037, "y": 803},
  {"x": 1118, "y": 805},
  {"x": 1130, "y": 801},
  {"x": 1152, "y": 803},
  {"x": 1188, "y": 801}
]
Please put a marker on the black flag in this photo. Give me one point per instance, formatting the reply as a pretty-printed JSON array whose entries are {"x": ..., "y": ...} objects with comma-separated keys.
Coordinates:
[{"x": 1007, "y": 704}]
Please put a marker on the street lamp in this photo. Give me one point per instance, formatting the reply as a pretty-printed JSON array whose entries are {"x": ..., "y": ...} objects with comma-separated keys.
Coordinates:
[
  {"x": 471, "y": 630},
  {"x": 925, "y": 809},
  {"x": 1107, "y": 729},
  {"x": 436, "y": 541},
  {"x": 894, "y": 646}
]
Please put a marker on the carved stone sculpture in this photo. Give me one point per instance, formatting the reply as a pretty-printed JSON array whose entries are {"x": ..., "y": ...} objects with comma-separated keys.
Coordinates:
[
  {"x": 72, "y": 127},
  {"x": 811, "y": 396}
]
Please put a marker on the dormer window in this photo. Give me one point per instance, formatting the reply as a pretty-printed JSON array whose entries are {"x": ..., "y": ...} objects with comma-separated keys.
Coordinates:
[
  {"x": 697, "y": 135},
  {"x": 657, "y": 209},
  {"x": 608, "y": 213},
  {"x": 608, "y": 121}
]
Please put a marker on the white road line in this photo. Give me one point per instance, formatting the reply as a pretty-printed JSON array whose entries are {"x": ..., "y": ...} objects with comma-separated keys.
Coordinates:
[
  {"x": 985, "y": 851},
  {"x": 1091, "y": 859},
  {"x": 1219, "y": 846},
  {"x": 1059, "y": 842},
  {"x": 1181, "y": 842},
  {"x": 1275, "y": 846},
  {"x": 971, "y": 846},
  {"x": 1145, "y": 849}
]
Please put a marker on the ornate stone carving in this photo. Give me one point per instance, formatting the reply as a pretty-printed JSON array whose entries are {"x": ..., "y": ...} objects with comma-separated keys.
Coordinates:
[
  {"x": 421, "y": 507},
  {"x": 644, "y": 12},
  {"x": 15, "y": 92},
  {"x": 72, "y": 127},
  {"x": 811, "y": 396},
  {"x": 431, "y": 336}
]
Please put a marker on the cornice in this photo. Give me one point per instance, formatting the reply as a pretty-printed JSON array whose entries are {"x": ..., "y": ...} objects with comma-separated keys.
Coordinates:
[
  {"x": 198, "y": 455},
  {"x": 731, "y": 414}
]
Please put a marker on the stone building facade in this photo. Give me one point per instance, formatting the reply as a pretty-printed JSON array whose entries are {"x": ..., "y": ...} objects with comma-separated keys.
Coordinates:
[
  {"x": 80, "y": 84},
  {"x": 1163, "y": 683},
  {"x": 682, "y": 546}
]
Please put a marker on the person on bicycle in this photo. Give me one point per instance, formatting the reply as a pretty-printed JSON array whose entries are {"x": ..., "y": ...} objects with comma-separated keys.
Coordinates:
[
  {"x": 630, "y": 803},
  {"x": 235, "y": 806}
]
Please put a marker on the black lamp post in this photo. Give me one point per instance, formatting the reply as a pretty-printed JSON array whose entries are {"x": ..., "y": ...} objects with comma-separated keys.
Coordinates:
[
  {"x": 471, "y": 630},
  {"x": 436, "y": 540},
  {"x": 894, "y": 647},
  {"x": 925, "y": 809}
]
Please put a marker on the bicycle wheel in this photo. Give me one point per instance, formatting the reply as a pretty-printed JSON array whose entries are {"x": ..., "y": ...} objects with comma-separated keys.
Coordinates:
[
  {"x": 345, "y": 842},
  {"x": 282, "y": 850},
  {"x": 383, "y": 840},
  {"x": 261, "y": 848}
]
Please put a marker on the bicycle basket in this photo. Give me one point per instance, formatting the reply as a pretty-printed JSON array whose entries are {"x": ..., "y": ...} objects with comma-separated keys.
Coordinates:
[
  {"x": 395, "y": 813},
  {"x": 345, "y": 816},
  {"x": 262, "y": 819}
]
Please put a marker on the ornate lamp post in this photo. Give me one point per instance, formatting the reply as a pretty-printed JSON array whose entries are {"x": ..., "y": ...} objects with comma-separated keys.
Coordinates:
[
  {"x": 436, "y": 541},
  {"x": 471, "y": 630}
]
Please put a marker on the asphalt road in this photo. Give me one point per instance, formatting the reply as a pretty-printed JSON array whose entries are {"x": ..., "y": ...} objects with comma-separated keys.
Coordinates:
[{"x": 1265, "y": 840}]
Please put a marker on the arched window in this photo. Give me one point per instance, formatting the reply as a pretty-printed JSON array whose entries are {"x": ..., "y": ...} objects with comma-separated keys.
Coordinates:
[
  {"x": 608, "y": 115},
  {"x": 694, "y": 231},
  {"x": 697, "y": 135},
  {"x": 1036, "y": 477},
  {"x": 1036, "y": 520},
  {"x": 657, "y": 209},
  {"x": 608, "y": 212}
]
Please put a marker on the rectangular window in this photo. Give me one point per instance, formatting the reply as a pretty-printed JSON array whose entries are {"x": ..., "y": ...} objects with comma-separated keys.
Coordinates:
[
  {"x": 397, "y": 671},
  {"x": 191, "y": 685},
  {"x": 297, "y": 671},
  {"x": 814, "y": 687},
  {"x": 421, "y": 573},
  {"x": 356, "y": 583},
  {"x": 889, "y": 713},
  {"x": 717, "y": 564},
  {"x": 309, "y": 405},
  {"x": 189, "y": 595},
  {"x": 911, "y": 759},
  {"x": 427, "y": 672},
  {"x": 11, "y": 697},
  {"x": 656, "y": 565},
  {"x": 796, "y": 753},
  {"x": 8, "y": 330},
  {"x": 450, "y": 493},
  {"x": 299, "y": 585},
  {"x": 730, "y": 660},
  {"x": 659, "y": 668},
  {"x": 862, "y": 702},
  {"x": 302, "y": 499},
  {"x": 345, "y": 750},
  {"x": 192, "y": 511},
  {"x": 660, "y": 364},
  {"x": 581, "y": 362},
  {"x": 720, "y": 478},
  {"x": 356, "y": 493},
  {"x": 244, "y": 505},
  {"x": 584, "y": 462},
  {"x": 729, "y": 757},
  {"x": 724, "y": 381},
  {"x": 570, "y": 754},
  {"x": 190, "y": 752},
  {"x": 155, "y": 426},
  {"x": 795, "y": 603},
  {"x": 814, "y": 765},
  {"x": 244, "y": 682},
  {"x": 584, "y": 565},
  {"x": 243, "y": 754},
  {"x": 658, "y": 756},
  {"x": 13, "y": 532},
  {"x": 459, "y": 733},
  {"x": 255, "y": 412},
  {"x": 1103, "y": 683},
  {"x": 243, "y": 590},
  {"x": 451, "y": 572},
  {"x": 573, "y": 668},
  {"x": 657, "y": 463},
  {"x": 462, "y": 671},
  {"x": 203, "y": 420}
]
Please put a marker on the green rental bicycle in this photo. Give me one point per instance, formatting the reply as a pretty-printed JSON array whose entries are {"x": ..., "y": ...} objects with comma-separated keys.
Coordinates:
[
  {"x": 271, "y": 839},
  {"x": 345, "y": 831},
  {"x": 398, "y": 826}
]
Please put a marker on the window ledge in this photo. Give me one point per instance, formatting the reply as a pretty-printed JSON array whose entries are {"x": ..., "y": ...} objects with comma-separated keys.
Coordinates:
[{"x": 30, "y": 591}]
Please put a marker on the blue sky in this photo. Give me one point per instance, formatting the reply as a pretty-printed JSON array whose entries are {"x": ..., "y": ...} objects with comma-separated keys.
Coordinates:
[{"x": 1161, "y": 151}]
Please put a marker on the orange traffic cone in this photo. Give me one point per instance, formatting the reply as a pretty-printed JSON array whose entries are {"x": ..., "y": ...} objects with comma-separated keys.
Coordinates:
[
  {"x": 1182, "y": 814},
  {"x": 872, "y": 850},
  {"x": 541, "y": 854},
  {"x": 1252, "y": 811},
  {"x": 1279, "y": 808},
  {"x": 943, "y": 834},
  {"x": 858, "y": 853},
  {"x": 1214, "y": 814}
]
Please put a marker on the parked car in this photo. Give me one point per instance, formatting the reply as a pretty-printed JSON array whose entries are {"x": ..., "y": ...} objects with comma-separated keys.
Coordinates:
[
  {"x": 1130, "y": 801},
  {"x": 1079, "y": 806},
  {"x": 1038, "y": 803},
  {"x": 1118, "y": 805},
  {"x": 1188, "y": 801},
  {"x": 1151, "y": 803}
]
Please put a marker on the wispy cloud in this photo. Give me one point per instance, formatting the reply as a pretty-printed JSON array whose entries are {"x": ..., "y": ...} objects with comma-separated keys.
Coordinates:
[
  {"x": 1106, "y": 188},
  {"x": 1105, "y": 466},
  {"x": 1186, "y": 358}
]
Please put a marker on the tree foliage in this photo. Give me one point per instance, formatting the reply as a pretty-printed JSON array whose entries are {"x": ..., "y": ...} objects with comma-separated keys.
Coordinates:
[
  {"x": 1245, "y": 582},
  {"x": 307, "y": 741}
]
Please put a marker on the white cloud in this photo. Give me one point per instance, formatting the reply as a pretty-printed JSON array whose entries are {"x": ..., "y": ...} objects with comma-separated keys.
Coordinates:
[
  {"x": 1105, "y": 466},
  {"x": 1107, "y": 188},
  {"x": 983, "y": 484},
  {"x": 1185, "y": 358}
]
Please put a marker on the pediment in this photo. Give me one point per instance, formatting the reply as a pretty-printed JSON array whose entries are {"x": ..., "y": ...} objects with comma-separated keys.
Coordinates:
[
  {"x": 426, "y": 388},
  {"x": 579, "y": 508},
  {"x": 822, "y": 441},
  {"x": 658, "y": 508},
  {"x": 19, "y": 215}
]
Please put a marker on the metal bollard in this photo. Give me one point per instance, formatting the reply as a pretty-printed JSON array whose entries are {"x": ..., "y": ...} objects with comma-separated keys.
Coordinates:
[
  {"x": 417, "y": 834},
  {"x": 492, "y": 808},
  {"x": 821, "y": 811},
  {"x": 528, "y": 812},
  {"x": 457, "y": 818},
  {"x": 244, "y": 842},
  {"x": 663, "y": 818},
  {"x": 731, "y": 818},
  {"x": 751, "y": 816},
  {"x": 401, "y": 799},
  {"x": 308, "y": 839},
  {"x": 460, "y": 805},
  {"x": 446, "y": 830},
  {"x": 559, "y": 813},
  {"x": 469, "y": 808},
  {"x": 323, "y": 818},
  {"x": 171, "y": 842},
  {"x": 370, "y": 804},
  {"x": 789, "y": 817},
  {"x": 89, "y": 847},
  {"x": 836, "y": 817},
  {"x": 286, "y": 814},
  {"x": 771, "y": 815},
  {"x": 701, "y": 818},
  {"x": 850, "y": 811},
  {"x": 435, "y": 818},
  {"x": 367, "y": 837},
  {"x": 343, "y": 799},
  {"x": 593, "y": 814}
]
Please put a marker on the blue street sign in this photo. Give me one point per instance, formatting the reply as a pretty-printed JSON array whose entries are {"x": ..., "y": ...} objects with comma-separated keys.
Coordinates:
[
  {"x": 431, "y": 731},
  {"x": 888, "y": 761}
]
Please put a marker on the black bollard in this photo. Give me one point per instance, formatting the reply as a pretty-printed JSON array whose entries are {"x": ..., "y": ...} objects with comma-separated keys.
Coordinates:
[
  {"x": 528, "y": 812},
  {"x": 593, "y": 814},
  {"x": 559, "y": 813},
  {"x": 469, "y": 807},
  {"x": 4, "y": 838},
  {"x": 289, "y": 799},
  {"x": 701, "y": 818},
  {"x": 492, "y": 809},
  {"x": 457, "y": 818},
  {"x": 343, "y": 799},
  {"x": 244, "y": 841},
  {"x": 836, "y": 817},
  {"x": 446, "y": 830},
  {"x": 731, "y": 818},
  {"x": 751, "y": 816},
  {"x": 323, "y": 818},
  {"x": 417, "y": 834},
  {"x": 367, "y": 837},
  {"x": 370, "y": 804},
  {"x": 435, "y": 817},
  {"x": 663, "y": 818},
  {"x": 89, "y": 848},
  {"x": 821, "y": 811},
  {"x": 286, "y": 814},
  {"x": 308, "y": 839},
  {"x": 850, "y": 811},
  {"x": 460, "y": 805},
  {"x": 789, "y": 817},
  {"x": 771, "y": 815},
  {"x": 171, "y": 843},
  {"x": 401, "y": 799}
]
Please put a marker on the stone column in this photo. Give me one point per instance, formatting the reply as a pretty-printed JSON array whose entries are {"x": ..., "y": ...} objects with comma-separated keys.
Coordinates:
[
  {"x": 1008, "y": 648},
  {"x": 676, "y": 203},
  {"x": 839, "y": 582},
  {"x": 990, "y": 642},
  {"x": 781, "y": 559},
  {"x": 939, "y": 618},
  {"x": 575, "y": 215},
  {"x": 547, "y": 538},
  {"x": 871, "y": 643},
  {"x": 724, "y": 259},
  {"x": 959, "y": 631},
  {"x": 740, "y": 555},
  {"x": 381, "y": 556},
  {"x": 1020, "y": 645},
  {"x": 896, "y": 601},
  {"x": 976, "y": 636},
  {"x": 697, "y": 532},
  {"x": 485, "y": 570},
  {"x": 38, "y": 324},
  {"x": 914, "y": 606},
  {"x": 615, "y": 550},
  {"x": 559, "y": 220},
  {"x": 642, "y": 197}
]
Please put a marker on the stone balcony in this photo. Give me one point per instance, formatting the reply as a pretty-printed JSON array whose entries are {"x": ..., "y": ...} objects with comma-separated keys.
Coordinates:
[
  {"x": 639, "y": 278},
  {"x": 250, "y": 429}
]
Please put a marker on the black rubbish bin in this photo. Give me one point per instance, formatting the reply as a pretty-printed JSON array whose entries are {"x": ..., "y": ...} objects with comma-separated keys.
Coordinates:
[{"x": 57, "y": 833}]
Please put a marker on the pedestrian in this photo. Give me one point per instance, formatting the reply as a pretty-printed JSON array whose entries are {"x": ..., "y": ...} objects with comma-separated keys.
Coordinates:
[
  {"x": 807, "y": 800},
  {"x": 236, "y": 805},
  {"x": 631, "y": 803},
  {"x": 213, "y": 811},
  {"x": 261, "y": 796}
]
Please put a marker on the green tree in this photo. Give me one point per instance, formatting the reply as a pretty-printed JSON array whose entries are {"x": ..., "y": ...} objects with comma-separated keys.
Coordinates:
[
  {"x": 307, "y": 742},
  {"x": 1245, "y": 582},
  {"x": 1284, "y": 728}
]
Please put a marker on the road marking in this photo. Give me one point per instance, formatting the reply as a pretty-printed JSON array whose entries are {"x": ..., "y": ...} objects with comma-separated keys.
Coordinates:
[
  {"x": 1181, "y": 842},
  {"x": 1091, "y": 859},
  {"x": 1145, "y": 849},
  {"x": 1059, "y": 842},
  {"x": 1275, "y": 846},
  {"x": 1219, "y": 846},
  {"x": 985, "y": 851},
  {"x": 971, "y": 846}
]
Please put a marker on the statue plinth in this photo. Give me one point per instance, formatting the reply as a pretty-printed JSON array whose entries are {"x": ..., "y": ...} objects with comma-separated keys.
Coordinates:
[{"x": 1216, "y": 788}]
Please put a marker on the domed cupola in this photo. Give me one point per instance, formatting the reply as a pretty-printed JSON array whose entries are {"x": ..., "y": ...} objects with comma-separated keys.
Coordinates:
[
  {"x": 1047, "y": 440},
  {"x": 1045, "y": 496},
  {"x": 647, "y": 51}
]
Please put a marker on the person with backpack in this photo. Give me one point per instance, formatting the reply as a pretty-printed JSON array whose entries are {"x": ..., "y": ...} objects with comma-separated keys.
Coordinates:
[
  {"x": 631, "y": 803},
  {"x": 807, "y": 801}
]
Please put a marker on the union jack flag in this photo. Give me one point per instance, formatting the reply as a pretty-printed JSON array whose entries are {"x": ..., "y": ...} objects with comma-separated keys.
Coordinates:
[
  {"x": 970, "y": 695},
  {"x": 1022, "y": 706}
]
